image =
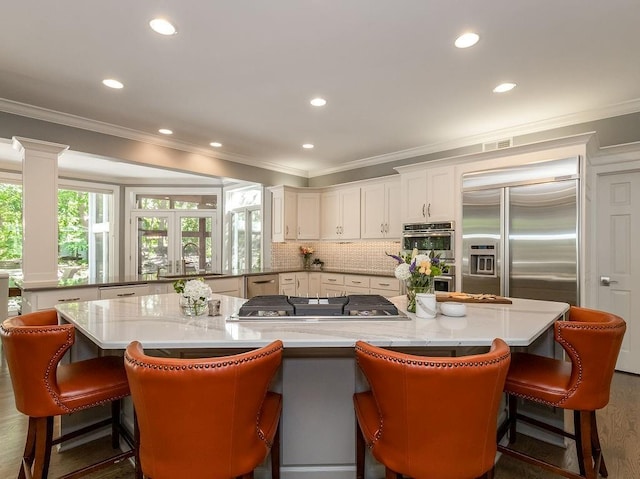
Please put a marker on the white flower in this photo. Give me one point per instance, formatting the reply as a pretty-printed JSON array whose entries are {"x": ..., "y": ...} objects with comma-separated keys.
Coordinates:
[
  {"x": 195, "y": 289},
  {"x": 402, "y": 272},
  {"x": 422, "y": 257}
]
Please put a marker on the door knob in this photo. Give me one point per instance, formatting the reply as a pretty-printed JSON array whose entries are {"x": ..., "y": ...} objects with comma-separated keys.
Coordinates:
[{"x": 606, "y": 281}]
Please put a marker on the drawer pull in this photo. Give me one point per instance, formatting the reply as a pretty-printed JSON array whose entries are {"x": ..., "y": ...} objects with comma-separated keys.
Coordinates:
[
  {"x": 66, "y": 300},
  {"x": 332, "y": 279},
  {"x": 384, "y": 284},
  {"x": 121, "y": 295},
  {"x": 356, "y": 282},
  {"x": 267, "y": 281}
]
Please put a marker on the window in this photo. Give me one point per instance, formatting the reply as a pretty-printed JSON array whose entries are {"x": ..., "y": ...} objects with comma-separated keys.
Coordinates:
[{"x": 244, "y": 227}]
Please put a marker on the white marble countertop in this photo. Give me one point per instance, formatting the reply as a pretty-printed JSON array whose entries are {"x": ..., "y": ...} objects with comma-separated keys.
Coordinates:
[{"x": 157, "y": 322}]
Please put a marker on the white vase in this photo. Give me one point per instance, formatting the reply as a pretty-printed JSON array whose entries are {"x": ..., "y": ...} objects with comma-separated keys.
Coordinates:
[{"x": 426, "y": 305}]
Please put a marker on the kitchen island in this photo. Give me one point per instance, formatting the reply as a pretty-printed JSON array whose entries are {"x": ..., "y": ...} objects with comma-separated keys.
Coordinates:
[{"x": 319, "y": 374}]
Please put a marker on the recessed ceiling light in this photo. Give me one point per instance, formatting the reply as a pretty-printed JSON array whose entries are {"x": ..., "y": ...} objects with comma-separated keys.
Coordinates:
[
  {"x": 308, "y": 146},
  {"x": 162, "y": 26},
  {"x": 318, "y": 102},
  {"x": 165, "y": 131},
  {"x": 504, "y": 87},
  {"x": 111, "y": 83},
  {"x": 467, "y": 40},
  {"x": 215, "y": 144}
]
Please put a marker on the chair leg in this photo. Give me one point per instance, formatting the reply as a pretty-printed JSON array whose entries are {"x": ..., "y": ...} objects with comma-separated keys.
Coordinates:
[
  {"x": 136, "y": 447},
  {"x": 597, "y": 450},
  {"x": 275, "y": 455},
  {"x": 41, "y": 455},
  {"x": 585, "y": 443},
  {"x": 29, "y": 449},
  {"x": 513, "y": 414},
  {"x": 389, "y": 474},
  {"x": 577, "y": 428},
  {"x": 360, "y": 451}
]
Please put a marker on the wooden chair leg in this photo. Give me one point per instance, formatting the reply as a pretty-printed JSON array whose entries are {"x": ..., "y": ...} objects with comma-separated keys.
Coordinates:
[
  {"x": 360, "y": 451},
  {"x": 136, "y": 447},
  {"x": 43, "y": 444},
  {"x": 29, "y": 449},
  {"x": 577, "y": 428},
  {"x": 513, "y": 414},
  {"x": 598, "y": 457},
  {"x": 275, "y": 455},
  {"x": 585, "y": 442},
  {"x": 389, "y": 474}
]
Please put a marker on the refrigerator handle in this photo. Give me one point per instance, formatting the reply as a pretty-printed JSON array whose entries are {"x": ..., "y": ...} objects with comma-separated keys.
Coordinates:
[{"x": 505, "y": 256}]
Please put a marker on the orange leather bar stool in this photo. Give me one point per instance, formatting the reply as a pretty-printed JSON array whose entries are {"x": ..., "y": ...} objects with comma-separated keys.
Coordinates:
[
  {"x": 592, "y": 341},
  {"x": 34, "y": 344},
  {"x": 210, "y": 417},
  {"x": 429, "y": 418}
]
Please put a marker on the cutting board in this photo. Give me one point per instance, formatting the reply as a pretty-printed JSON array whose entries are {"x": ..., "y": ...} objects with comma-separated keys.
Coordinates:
[{"x": 472, "y": 298}]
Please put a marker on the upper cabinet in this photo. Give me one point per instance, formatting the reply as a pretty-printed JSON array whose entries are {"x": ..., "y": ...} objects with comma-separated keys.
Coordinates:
[
  {"x": 380, "y": 210},
  {"x": 340, "y": 213},
  {"x": 428, "y": 194},
  {"x": 295, "y": 214},
  {"x": 308, "y": 216}
]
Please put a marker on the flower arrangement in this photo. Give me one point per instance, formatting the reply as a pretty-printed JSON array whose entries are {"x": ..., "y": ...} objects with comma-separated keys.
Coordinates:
[
  {"x": 194, "y": 295},
  {"x": 306, "y": 252},
  {"x": 417, "y": 272}
]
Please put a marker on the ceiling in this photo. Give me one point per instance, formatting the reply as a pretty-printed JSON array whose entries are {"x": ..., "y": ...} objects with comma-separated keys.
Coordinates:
[{"x": 242, "y": 72}]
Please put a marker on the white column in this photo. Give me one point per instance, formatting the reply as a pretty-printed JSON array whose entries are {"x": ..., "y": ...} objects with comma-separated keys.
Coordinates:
[{"x": 39, "y": 210}]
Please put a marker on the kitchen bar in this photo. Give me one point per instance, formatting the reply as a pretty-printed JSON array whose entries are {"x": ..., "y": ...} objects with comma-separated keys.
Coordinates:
[{"x": 319, "y": 374}]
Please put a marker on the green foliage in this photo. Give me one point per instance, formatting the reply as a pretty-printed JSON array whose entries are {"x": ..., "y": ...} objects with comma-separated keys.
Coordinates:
[{"x": 10, "y": 221}]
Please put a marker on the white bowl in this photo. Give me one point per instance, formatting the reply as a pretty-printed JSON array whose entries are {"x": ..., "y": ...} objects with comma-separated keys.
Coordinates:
[{"x": 449, "y": 308}]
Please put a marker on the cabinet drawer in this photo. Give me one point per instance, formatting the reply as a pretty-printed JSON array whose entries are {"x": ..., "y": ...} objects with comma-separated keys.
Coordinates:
[
  {"x": 123, "y": 291},
  {"x": 225, "y": 285},
  {"x": 332, "y": 279},
  {"x": 48, "y": 299},
  {"x": 356, "y": 280},
  {"x": 385, "y": 283},
  {"x": 287, "y": 278}
]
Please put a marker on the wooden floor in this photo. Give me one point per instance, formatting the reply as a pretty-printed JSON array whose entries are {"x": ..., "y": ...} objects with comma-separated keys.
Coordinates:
[{"x": 619, "y": 426}]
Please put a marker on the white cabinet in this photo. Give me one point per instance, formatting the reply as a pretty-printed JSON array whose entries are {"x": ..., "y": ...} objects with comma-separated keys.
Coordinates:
[
  {"x": 115, "y": 292},
  {"x": 356, "y": 284},
  {"x": 387, "y": 287},
  {"x": 380, "y": 210},
  {"x": 331, "y": 284},
  {"x": 308, "y": 216},
  {"x": 284, "y": 214},
  {"x": 428, "y": 194},
  {"x": 294, "y": 284},
  {"x": 314, "y": 284},
  {"x": 340, "y": 213},
  {"x": 295, "y": 214},
  {"x": 39, "y": 300}
]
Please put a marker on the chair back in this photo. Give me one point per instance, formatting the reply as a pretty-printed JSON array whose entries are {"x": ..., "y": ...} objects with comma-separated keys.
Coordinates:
[
  {"x": 34, "y": 344},
  {"x": 592, "y": 340},
  {"x": 201, "y": 417},
  {"x": 438, "y": 416}
]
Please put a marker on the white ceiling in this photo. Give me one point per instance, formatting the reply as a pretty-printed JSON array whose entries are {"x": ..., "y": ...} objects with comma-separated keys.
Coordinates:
[{"x": 242, "y": 72}]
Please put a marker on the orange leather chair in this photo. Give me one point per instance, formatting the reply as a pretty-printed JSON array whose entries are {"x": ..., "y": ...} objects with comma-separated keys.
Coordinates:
[
  {"x": 429, "y": 418},
  {"x": 210, "y": 417},
  {"x": 34, "y": 344},
  {"x": 592, "y": 341}
]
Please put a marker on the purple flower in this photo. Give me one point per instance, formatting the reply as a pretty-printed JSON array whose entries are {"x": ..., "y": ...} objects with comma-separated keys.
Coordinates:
[{"x": 397, "y": 258}]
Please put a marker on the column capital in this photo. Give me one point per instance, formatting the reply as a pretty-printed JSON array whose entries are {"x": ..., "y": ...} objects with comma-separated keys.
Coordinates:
[{"x": 21, "y": 144}]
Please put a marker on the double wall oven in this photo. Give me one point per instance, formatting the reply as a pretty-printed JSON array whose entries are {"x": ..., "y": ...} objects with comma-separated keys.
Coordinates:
[{"x": 436, "y": 237}]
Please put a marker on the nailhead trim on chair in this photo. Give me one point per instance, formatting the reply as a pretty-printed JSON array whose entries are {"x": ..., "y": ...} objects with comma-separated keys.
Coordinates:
[
  {"x": 563, "y": 341},
  {"x": 53, "y": 364}
]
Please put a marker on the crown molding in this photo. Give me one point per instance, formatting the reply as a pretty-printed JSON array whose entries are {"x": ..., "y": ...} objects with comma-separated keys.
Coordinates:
[
  {"x": 52, "y": 116},
  {"x": 632, "y": 106}
]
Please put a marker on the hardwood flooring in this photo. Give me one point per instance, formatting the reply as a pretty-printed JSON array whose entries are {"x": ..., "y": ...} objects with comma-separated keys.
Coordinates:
[{"x": 619, "y": 426}]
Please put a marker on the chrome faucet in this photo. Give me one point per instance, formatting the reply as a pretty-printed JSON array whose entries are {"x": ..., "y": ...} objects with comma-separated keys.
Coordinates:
[{"x": 184, "y": 250}]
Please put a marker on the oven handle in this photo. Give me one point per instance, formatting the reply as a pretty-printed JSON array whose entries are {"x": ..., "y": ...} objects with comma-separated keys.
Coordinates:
[{"x": 417, "y": 234}]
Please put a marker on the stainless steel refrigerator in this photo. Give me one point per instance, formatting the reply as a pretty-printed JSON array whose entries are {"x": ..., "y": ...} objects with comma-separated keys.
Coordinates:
[{"x": 520, "y": 231}]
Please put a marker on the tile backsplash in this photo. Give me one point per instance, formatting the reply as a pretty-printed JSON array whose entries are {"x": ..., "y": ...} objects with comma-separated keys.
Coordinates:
[{"x": 365, "y": 256}]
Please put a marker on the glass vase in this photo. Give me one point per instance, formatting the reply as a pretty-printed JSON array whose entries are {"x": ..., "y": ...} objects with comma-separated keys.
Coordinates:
[
  {"x": 411, "y": 295},
  {"x": 306, "y": 262},
  {"x": 193, "y": 307}
]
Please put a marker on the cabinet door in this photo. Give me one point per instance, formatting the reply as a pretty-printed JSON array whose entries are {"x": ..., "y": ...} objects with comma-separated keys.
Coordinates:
[
  {"x": 290, "y": 215},
  {"x": 350, "y": 213},
  {"x": 314, "y": 284},
  {"x": 277, "y": 216},
  {"x": 414, "y": 196},
  {"x": 373, "y": 209},
  {"x": 441, "y": 194},
  {"x": 329, "y": 208},
  {"x": 288, "y": 289},
  {"x": 308, "y": 216},
  {"x": 393, "y": 222},
  {"x": 302, "y": 284}
]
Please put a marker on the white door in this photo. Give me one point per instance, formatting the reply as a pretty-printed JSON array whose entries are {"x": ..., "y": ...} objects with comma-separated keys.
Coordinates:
[{"x": 618, "y": 266}]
